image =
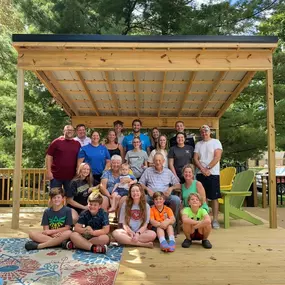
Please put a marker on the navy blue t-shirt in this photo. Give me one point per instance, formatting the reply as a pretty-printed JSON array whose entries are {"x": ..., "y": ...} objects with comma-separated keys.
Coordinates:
[{"x": 96, "y": 222}]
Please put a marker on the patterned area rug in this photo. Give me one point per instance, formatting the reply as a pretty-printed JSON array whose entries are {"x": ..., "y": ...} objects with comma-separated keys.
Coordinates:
[{"x": 56, "y": 266}]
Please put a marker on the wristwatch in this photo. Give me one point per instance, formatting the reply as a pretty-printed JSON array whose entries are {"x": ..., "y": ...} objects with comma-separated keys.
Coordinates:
[{"x": 208, "y": 167}]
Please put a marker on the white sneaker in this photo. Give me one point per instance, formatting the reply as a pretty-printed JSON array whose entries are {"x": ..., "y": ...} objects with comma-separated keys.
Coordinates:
[{"x": 215, "y": 225}]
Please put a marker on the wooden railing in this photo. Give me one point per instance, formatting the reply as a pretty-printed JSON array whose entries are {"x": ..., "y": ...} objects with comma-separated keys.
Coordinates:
[{"x": 33, "y": 190}]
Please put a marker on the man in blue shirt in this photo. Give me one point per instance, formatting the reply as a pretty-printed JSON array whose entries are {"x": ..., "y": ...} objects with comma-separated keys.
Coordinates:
[{"x": 128, "y": 140}]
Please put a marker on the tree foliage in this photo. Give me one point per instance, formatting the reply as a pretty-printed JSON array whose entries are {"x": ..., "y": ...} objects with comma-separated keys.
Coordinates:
[{"x": 243, "y": 127}]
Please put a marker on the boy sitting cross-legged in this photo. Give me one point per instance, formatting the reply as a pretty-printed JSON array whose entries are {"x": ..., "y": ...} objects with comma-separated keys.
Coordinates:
[
  {"x": 196, "y": 222},
  {"x": 162, "y": 219},
  {"x": 56, "y": 223},
  {"x": 92, "y": 228}
]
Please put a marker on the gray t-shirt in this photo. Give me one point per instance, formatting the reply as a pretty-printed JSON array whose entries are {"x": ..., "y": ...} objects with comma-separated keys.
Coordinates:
[
  {"x": 181, "y": 156},
  {"x": 136, "y": 216},
  {"x": 136, "y": 160},
  {"x": 57, "y": 219}
]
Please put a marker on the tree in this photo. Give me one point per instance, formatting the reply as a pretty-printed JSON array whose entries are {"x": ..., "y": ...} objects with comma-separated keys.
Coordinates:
[{"x": 243, "y": 127}]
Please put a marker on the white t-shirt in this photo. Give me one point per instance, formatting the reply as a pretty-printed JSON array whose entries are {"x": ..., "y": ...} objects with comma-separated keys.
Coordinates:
[
  {"x": 163, "y": 152},
  {"x": 205, "y": 150},
  {"x": 83, "y": 142}
]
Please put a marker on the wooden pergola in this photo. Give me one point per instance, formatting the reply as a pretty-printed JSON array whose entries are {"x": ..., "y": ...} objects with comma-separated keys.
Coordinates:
[{"x": 159, "y": 79}]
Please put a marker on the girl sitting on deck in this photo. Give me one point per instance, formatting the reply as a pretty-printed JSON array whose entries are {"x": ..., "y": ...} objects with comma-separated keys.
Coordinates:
[
  {"x": 134, "y": 216},
  {"x": 79, "y": 190}
]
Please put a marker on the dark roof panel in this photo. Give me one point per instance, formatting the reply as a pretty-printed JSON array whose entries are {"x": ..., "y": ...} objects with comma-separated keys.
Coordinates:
[{"x": 143, "y": 39}]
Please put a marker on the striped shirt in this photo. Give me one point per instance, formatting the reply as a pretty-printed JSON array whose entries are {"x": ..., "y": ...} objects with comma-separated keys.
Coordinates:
[{"x": 158, "y": 181}]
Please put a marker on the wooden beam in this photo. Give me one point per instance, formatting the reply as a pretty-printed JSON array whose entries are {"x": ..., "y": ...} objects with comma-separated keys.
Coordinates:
[
  {"x": 271, "y": 149},
  {"x": 137, "y": 93},
  {"x": 112, "y": 93},
  {"x": 186, "y": 94},
  {"x": 84, "y": 85},
  {"x": 143, "y": 92},
  {"x": 245, "y": 81},
  {"x": 166, "y": 45},
  {"x": 162, "y": 92},
  {"x": 153, "y": 110},
  {"x": 148, "y": 101},
  {"x": 57, "y": 86},
  {"x": 212, "y": 91},
  {"x": 179, "y": 82},
  {"x": 136, "y": 60},
  {"x": 18, "y": 150},
  {"x": 218, "y": 130},
  {"x": 56, "y": 96},
  {"x": 148, "y": 121}
]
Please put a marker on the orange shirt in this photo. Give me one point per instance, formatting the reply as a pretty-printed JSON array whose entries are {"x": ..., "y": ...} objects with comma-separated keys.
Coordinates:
[{"x": 160, "y": 216}]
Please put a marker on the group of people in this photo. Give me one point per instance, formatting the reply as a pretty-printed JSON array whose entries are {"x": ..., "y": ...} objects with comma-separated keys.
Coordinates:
[{"x": 127, "y": 175}]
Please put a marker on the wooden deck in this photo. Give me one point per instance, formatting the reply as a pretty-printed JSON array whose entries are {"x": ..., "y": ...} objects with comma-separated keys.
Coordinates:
[{"x": 243, "y": 254}]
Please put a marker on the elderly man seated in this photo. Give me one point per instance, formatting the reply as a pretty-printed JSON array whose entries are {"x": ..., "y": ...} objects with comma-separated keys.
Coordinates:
[{"x": 158, "y": 178}]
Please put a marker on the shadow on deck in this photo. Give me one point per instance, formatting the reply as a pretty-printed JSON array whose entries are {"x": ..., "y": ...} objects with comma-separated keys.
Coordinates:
[{"x": 242, "y": 254}]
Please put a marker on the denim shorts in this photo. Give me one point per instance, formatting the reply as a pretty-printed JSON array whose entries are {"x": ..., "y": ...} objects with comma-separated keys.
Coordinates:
[{"x": 61, "y": 183}]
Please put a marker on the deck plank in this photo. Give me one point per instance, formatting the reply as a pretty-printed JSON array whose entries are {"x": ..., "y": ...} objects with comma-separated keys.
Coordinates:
[{"x": 241, "y": 255}]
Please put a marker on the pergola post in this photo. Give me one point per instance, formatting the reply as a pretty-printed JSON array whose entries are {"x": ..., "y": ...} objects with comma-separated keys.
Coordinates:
[
  {"x": 218, "y": 130},
  {"x": 18, "y": 149},
  {"x": 271, "y": 149}
]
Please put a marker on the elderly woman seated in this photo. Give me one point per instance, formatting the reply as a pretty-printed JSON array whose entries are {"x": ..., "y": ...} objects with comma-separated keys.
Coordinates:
[{"x": 109, "y": 180}]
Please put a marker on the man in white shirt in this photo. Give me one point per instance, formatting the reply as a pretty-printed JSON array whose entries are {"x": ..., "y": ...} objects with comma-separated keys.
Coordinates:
[
  {"x": 207, "y": 156},
  {"x": 81, "y": 135}
]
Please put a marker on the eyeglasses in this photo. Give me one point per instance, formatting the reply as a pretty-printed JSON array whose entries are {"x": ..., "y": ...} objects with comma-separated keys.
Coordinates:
[{"x": 69, "y": 130}]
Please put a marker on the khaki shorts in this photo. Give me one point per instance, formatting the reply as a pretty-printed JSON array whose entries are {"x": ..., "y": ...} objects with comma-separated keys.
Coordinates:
[{"x": 87, "y": 236}]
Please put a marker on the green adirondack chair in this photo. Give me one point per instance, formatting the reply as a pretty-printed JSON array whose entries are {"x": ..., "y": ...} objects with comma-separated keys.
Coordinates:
[{"x": 233, "y": 200}]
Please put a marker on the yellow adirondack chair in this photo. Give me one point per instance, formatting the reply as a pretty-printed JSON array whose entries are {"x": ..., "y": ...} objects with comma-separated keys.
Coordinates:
[{"x": 227, "y": 176}]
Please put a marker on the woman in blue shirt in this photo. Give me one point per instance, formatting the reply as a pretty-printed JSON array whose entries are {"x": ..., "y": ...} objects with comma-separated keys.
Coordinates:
[{"x": 96, "y": 155}]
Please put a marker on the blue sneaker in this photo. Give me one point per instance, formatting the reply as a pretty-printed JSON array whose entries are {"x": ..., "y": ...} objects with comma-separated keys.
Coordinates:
[
  {"x": 164, "y": 246},
  {"x": 171, "y": 245}
]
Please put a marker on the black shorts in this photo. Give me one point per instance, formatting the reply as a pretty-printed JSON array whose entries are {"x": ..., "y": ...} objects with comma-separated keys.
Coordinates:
[{"x": 211, "y": 184}]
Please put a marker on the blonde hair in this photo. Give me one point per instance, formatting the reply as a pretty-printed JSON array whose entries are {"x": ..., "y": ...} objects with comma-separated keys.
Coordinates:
[
  {"x": 79, "y": 175},
  {"x": 191, "y": 166},
  {"x": 196, "y": 195},
  {"x": 95, "y": 197}
]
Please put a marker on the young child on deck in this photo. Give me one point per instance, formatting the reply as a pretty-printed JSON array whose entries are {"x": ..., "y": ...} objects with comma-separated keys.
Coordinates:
[
  {"x": 92, "y": 228},
  {"x": 121, "y": 189},
  {"x": 134, "y": 216},
  {"x": 196, "y": 222},
  {"x": 56, "y": 222},
  {"x": 162, "y": 218}
]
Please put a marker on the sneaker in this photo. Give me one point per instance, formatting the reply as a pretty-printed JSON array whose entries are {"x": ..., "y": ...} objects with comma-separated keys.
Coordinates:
[
  {"x": 164, "y": 246},
  {"x": 186, "y": 243},
  {"x": 100, "y": 248},
  {"x": 67, "y": 244},
  {"x": 171, "y": 245},
  {"x": 31, "y": 245},
  {"x": 215, "y": 225},
  {"x": 206, "y": 244}
]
